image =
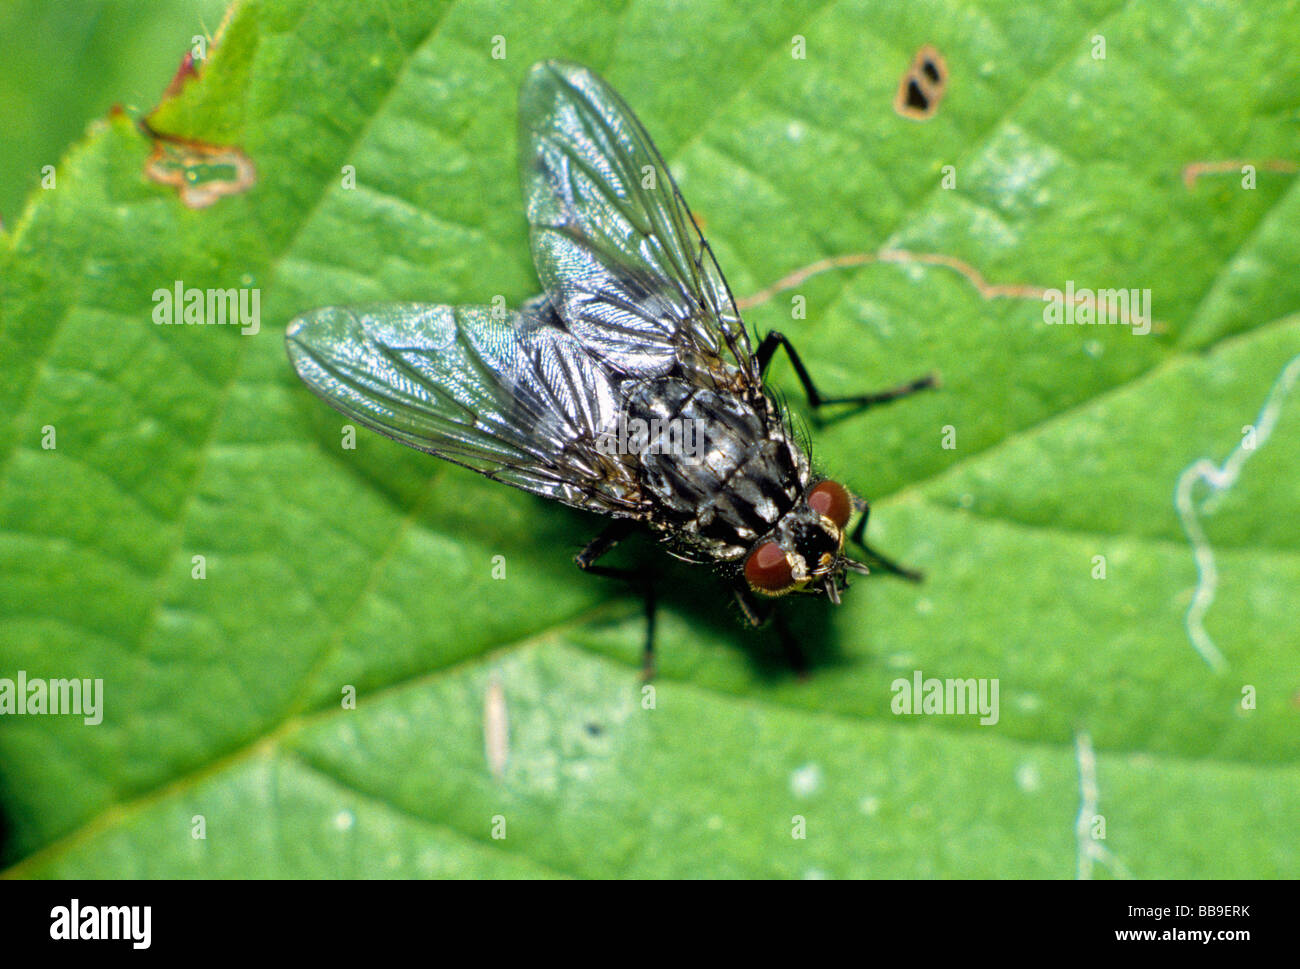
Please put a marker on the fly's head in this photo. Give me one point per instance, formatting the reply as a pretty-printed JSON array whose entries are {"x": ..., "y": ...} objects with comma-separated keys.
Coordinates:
[{"x": 805, "y": 551}]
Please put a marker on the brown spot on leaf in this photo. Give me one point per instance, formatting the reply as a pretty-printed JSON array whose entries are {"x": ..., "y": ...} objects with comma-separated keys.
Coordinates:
[
  {"x": 189, "y": 68},
  {"x": 200, "y": 172},
  {"x": 923, "y": 85}
]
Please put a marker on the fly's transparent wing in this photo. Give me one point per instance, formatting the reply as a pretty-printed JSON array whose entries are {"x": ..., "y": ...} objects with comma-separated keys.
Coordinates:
[
  {"x": 511, "y": 395},
  {"x": 614, "y": 244}
]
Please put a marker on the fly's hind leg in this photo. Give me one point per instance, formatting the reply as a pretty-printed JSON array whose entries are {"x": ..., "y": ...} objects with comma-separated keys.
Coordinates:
[
  {"x": 615, "y": 532},
  {"x": 775, "y": 339},
  {"x": 758, "y": 612}
]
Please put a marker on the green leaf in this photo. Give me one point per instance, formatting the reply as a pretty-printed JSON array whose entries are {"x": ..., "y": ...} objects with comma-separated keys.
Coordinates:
[{"x": 373, "y": 568}]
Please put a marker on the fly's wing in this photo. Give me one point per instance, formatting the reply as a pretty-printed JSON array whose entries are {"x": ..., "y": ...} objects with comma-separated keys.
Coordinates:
[
  {"x": 511, "y": 395},
  {"x": 614, "y": 244}
]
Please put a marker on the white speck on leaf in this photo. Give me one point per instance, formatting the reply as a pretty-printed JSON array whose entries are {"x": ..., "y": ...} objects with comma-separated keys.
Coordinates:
[{"x": 806, "y": 780}]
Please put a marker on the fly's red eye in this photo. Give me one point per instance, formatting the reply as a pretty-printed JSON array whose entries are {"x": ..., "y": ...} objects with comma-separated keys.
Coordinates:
[
  {"x": 831, "y": 500},
  {"x": 767, "y": 569}
]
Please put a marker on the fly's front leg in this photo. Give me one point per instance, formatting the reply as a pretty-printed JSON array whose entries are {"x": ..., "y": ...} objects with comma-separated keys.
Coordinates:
[
  {"x": 775, "y": 339},
  {"x": 874, "y": 558},
  {"x": 759, "y": 611},
  {"x": 756, "y": 611},
  {"x": 615, "y": 532}
]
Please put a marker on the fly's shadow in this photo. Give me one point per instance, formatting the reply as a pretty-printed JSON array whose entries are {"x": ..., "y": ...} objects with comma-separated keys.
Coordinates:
[{"x": 798, "y": 638}]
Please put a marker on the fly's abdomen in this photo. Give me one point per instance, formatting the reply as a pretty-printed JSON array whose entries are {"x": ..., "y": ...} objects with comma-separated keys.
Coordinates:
[{"x": 714, "y": 465}]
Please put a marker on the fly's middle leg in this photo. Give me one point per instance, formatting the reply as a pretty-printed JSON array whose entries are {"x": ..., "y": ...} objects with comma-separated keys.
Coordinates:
[
  {"x": 775, "y": 339},
  {"x": 859, "y": 537},
  {"x": 643, "y": 579},
  {"x": 767, "y": 349}
]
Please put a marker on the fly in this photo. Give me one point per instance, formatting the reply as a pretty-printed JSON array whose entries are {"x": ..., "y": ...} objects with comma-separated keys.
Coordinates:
[{"x": 628, "y": 388}]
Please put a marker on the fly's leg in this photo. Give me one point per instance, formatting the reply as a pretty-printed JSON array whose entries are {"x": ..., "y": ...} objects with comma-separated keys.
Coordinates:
[
  {"x": 775, "y": 339},
  {"x": 767, "y": 349},
  {"x": 758, "y": 612},
  {"x": 794, "y": 653},
  {"x": 615, "y": 532},
  {"x": 874, "y": 558}
]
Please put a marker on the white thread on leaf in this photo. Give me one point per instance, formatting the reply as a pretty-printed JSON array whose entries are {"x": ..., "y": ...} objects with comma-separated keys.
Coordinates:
[
  {"x": 1220, "y": 478},
  {"x": 1090, "y": 849}
]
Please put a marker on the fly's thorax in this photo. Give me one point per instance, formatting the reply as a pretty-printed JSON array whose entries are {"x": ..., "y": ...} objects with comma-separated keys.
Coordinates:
[{"x": 740, "y": 476}]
